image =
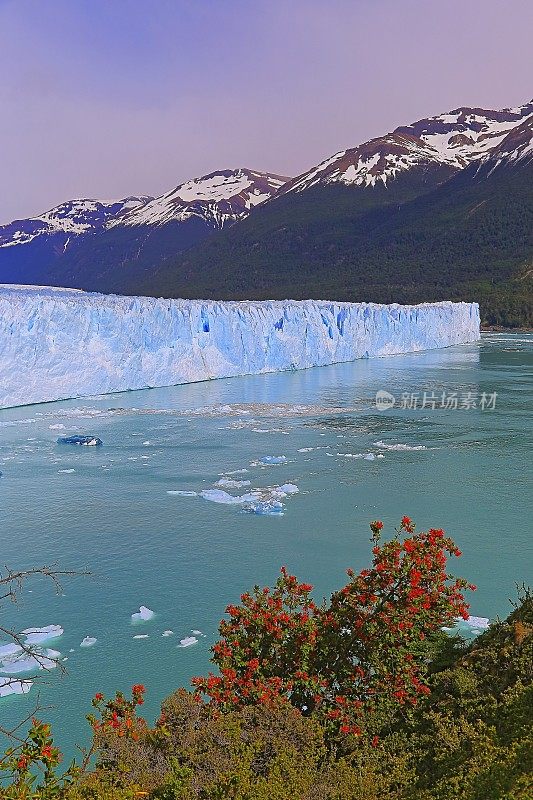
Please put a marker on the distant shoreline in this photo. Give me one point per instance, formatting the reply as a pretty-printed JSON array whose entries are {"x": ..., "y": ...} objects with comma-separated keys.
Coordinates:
[{"x": 501, "y": 329}]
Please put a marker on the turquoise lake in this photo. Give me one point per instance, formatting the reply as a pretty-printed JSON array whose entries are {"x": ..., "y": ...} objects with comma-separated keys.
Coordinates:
[{"x": 107, "y": 509}]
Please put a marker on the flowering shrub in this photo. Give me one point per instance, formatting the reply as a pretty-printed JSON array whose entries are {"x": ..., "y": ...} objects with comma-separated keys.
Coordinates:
[
  {"x": 119, "y": 715},
  {"x": 267, "y": 649},
  {"x": 362, "y": 651},
  {"x": 31, "y": 767}
]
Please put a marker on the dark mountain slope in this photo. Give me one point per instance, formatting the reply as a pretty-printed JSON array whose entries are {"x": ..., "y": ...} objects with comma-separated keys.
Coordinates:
[{"x": 469, "y": 238}]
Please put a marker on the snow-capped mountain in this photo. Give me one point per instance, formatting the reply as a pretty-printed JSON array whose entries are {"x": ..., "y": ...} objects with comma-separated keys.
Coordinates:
[
  {"x": 93, "y": 245},
  {"x": 450, "y": 140},
  {"x": 72, "y": 218},
  {"x": 218, "y": 198},
  {"x": 514, "y": 150},
  {"x": 466, "y": 134},
  {"x": 437, "y": 209},
  {"x": 378, "y": 160}
]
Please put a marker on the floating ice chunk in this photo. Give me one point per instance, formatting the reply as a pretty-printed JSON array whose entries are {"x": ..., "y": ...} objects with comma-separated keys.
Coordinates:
[
  {"x": 197, "y": 633},
  {"x": 167, "y": 633},
  {"x": 188, "y": 641},
  {"x": 289, "y": 488},
  {"x": 273, "y": 459},
  {"x": 227, "y": 483},
  {"x": 265, "y": 508},
  {"x": 475, "y": 622},
  {"x": 365, "y": 456},
  {"x": 144, "y": 614},
  {"x": 9, "y": 686},
  {"x": 182, "y": 493},
  {"x": 23, "y": 661},
  {"x": 88, "y": 641},
  {"x": 234, "y": 472},
  {"x": 87, "y": 441},
  {"x": 141, "y": 636},
  {"x": 147, "y": 443},
  {"x": 9, "y": 649},
  {"x": 220, "y": 496},
  {"x": 39, "y": 635},
  {"x": 305, "y": 449},
  {"x": 65, "y": 471},
  {"x": 399, "y": 446},
  {"x": 58, "y": 427}
]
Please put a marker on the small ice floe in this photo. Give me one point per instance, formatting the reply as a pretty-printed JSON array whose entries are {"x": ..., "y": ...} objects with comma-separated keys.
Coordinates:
[
  {"x": 188, "y": 641},
  {"x": 481, "y": 623},
  {"x": 33, "y": 661},
  {"x": 86, "y": 441},
  {"x": 167, "y": 633},
  {"x": 88, "y": 641},
  {"x": 144, "y": 614},
  {"x": 228, "y": 483},
  {"x": 197, "y": 633},
  {"x": 182, "y": 493},
  {"x": 284, "y": 490},
  {"x": 220, "y": 496},
  {"x": 234, "y": 472},
  {"x": 264, "y": 501},
  {"x": 9, "y": 686},
  {"x": 273, "y": 459},
  {"x": 305, "y": 449},
  {"x": 365, "y": 456},
  {"x": 58, "y": 427},
  {"x": 472, "y": 626},
  {"x": 65, "y": 471},
  {"x": 147, "y": 443},
  {"x": 264, "y": 509},
  {"x": 9, "y": 650},
  {"x": 399, "y": 446},
  {"x": 39, "y": 635},
  {"x": 141, "y": 636}
]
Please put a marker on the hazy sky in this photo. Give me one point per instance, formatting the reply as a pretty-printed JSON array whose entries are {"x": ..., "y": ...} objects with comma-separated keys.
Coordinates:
[{"x": 106, "y": 98}]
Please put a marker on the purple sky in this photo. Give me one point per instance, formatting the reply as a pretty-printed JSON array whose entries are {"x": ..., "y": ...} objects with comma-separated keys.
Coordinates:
[{"x": 106, "y": 98}]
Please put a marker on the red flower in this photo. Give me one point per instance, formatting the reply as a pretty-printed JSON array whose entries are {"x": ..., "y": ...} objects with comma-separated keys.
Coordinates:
[
  {"x": 99, "y": 696},
  {"x": 46, "y": 752},
  {"x": 23, "y": 762}
]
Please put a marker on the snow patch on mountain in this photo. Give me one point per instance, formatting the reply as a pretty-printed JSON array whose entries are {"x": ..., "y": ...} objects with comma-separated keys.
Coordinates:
[
  {"x": 466, "y": 134},
  {"x": 218, "y": 198},
  {"x": 451, "y": 140},
  {"x": 72, "y": 218}
]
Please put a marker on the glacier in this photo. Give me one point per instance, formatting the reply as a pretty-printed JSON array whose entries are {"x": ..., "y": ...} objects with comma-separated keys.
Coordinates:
[{"x": 62, "y": 343}]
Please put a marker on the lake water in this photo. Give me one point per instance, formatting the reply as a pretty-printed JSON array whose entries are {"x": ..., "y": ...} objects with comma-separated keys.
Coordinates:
[{"x": 108, "y": 510}]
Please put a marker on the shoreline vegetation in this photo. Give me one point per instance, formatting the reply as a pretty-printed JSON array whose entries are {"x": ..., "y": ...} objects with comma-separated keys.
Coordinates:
[{"x": 361, "y": 697}]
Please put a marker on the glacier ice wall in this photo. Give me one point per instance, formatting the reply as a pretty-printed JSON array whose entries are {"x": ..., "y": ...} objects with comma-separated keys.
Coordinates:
[{"x": 60, "y": 343}]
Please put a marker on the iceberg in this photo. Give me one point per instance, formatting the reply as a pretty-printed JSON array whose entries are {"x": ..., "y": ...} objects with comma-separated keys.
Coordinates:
[
  {"x": 86, "y": 441},
  {"x": 88, "y": 641},
  {"x": 142, "y": 615},
  {"x": 9, "y": 686},
  {"x": 273, "y": 459},
  {"x": 62, "y": 343},
  {"x": 39, "y": 635},
  {"x": 188, "y": 641}
]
